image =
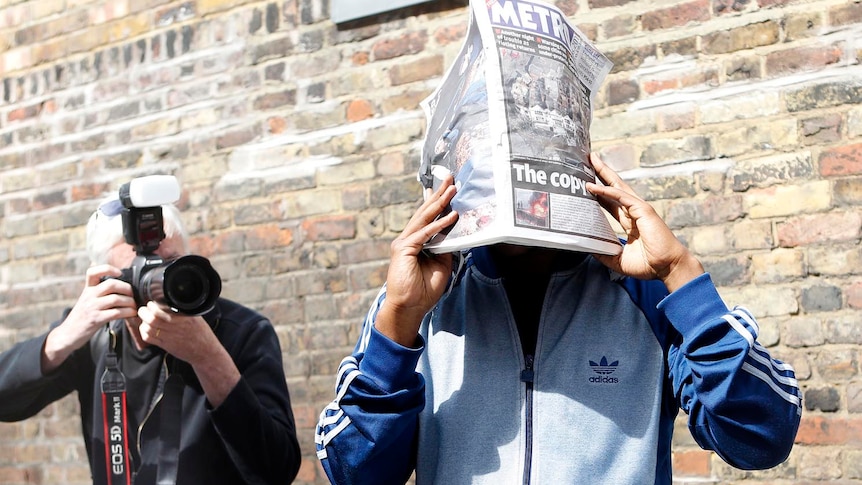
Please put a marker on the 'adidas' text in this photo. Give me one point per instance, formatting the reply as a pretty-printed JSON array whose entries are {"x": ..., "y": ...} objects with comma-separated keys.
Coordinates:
[{"x": 604, "y": 380}]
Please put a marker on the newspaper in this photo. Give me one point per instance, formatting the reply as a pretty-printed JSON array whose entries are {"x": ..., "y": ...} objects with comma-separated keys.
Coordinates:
[{"x": 510, "y": 121}]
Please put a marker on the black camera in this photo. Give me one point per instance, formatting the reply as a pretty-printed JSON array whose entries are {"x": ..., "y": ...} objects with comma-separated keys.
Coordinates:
[{"x": 187, "y": 284}]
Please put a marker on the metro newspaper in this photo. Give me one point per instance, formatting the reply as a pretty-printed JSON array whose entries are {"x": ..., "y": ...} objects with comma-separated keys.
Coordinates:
[{"x": 510, "y": 121}]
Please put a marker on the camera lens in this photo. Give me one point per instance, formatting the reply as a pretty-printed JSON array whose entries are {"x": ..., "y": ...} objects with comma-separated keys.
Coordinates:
[{"x": 188, "y": 285}]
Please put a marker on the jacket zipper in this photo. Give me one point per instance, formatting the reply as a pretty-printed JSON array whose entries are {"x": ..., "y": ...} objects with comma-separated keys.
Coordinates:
[
  {"x": 527, "y": 378},
  {"x": 153, "y": 405}
]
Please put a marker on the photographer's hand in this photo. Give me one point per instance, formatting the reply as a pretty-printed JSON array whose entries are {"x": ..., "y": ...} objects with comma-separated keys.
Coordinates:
[
  {"x": 100, "y": 302},
  {"x": 192, "y": 340}
]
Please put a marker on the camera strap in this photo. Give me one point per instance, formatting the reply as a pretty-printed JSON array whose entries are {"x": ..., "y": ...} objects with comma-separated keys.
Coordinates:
[{"x": 115, "y": 418}]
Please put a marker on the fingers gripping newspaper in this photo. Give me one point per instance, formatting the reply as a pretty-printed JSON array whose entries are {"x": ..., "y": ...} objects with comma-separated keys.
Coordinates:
[{"x": 511, "y": 121}]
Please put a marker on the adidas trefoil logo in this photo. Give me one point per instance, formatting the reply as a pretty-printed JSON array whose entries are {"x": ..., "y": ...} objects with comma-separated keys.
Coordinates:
[{"x": 603, "y": 369}]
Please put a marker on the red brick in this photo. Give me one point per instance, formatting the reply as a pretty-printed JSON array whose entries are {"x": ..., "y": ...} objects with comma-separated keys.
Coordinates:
[
  {"x": 411, "y": 43},
  {"x": 622, "y": 91},
  {"x": 392, "y": 163},
  {"x": 821, "y": 129},
  {"x": 569, "y": 7},
  {"x": 819, "y": 228},
  {"x": 450, "y": 34},
  {"x": 277, "y": 124},
  {"x": 309, "y": 470},
  {"x": 236, "y": 137},
  {"x": 49, "y": 107},
  {"x": 108, "y": 11},
  {"x": 329, "y": 228},
  {"x": 658, "y": 85},
  {"x": 268, "y": 236},
  {"x": 854, "y": 295},
  {"x": 15, "y": 474},
  {"x": 15, "y": 15},
  {"x": 87, "y": 191},
  {"x": 846, "y": 160},
  {"x": 830, "y": 430},
  {"x": 361, "y": 58},
  {"x": 707, "y": 76},
  {"x": 723, "y": 7},
  {"x": 275, "y": 100},
  {"x": 227, "y": 242},
  {"x": 849, "y": 13},
  {"x": 359, "y": 109},
  {"x": 680, "y": 119},
  {"x": 607, "y": 3},
  {"x": 692, "y": 463},
  {"x": 676, "y": 16},
  {"x": 620, "y": 26},
  {"x": 23, "y": 113},
  {"x": 364, "y": 251},
  {"x": 802, "y": 59},
  {"x": 202, "y": 245},
  {"x": 305, "y": 416},
  {"x": 368, "y": 277}
]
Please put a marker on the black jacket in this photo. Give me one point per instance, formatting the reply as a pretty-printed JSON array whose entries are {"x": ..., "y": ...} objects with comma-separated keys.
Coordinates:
[{"x": 250, "y": 438}]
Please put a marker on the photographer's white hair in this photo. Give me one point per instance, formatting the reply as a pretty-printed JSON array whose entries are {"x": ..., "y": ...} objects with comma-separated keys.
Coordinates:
[{"x": 105, "y": 228}]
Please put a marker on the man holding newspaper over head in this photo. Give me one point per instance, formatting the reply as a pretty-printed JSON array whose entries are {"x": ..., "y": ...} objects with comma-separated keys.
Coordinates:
[{"x": 515, "y": 340}]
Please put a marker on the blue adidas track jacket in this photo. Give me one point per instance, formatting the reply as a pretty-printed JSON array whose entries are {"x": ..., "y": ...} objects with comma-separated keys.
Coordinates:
[{"x": 616, "y": 358}]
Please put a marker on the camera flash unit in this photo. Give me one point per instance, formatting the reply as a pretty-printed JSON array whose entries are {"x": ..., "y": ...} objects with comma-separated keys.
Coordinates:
[{"x": 150, "y": 191}]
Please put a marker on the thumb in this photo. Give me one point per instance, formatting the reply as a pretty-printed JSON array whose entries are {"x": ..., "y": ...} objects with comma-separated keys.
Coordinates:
[{"x": 611, "y": 262}]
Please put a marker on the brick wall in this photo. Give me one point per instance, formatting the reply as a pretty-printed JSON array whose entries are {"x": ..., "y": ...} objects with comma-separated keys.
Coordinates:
[{"x": 297, "y": 141}]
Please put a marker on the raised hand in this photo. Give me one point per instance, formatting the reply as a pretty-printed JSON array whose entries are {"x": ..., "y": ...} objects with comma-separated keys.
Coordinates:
[
  {"x": 101, "y": 301},
  {"x": 187, "y": 338},
  {"x": 651, "y": 251},
  {"x": 190, "y": 339},
  {"x": 417, "y": 279}
]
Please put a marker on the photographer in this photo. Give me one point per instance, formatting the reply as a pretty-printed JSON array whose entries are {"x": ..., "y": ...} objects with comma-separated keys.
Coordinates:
[{"x": 165, "y": 397}]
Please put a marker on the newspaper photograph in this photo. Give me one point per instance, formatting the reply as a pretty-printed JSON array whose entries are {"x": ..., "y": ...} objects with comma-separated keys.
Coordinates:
[{"x": 510, "y": 121}]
